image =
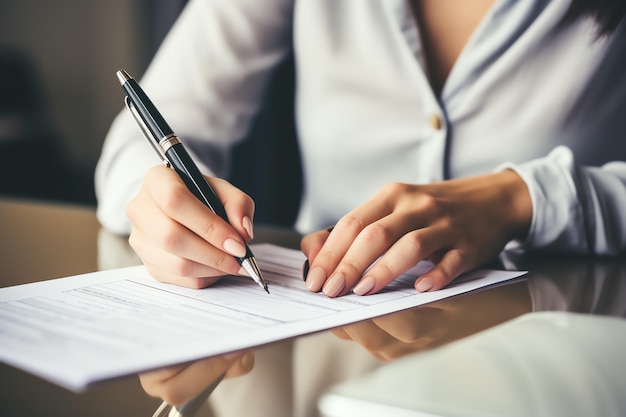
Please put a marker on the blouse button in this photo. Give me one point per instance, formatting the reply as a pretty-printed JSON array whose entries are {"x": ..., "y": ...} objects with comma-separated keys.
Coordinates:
[{"x": 435, "y": 121}]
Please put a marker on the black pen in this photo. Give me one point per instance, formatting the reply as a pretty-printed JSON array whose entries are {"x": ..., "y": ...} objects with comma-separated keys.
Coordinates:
[{"x": 173, "y": 154}]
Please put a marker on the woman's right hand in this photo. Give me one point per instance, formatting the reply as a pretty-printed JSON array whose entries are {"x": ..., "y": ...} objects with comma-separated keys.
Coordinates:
[
  {"x": 179, "y": 239},
  {"x": 179, "y": 384}
]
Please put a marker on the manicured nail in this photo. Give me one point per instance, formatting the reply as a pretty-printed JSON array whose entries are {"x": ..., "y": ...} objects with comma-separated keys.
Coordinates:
[
  {"x": 315, "y": 279},
  {"x": 247, "y": 224},
  {"x": 234, "y": 248},
  {"x": 364, "y": 286},
  {"x": 335, "y": 286},
  {"x": 305, "y": 269},
  {"x": 247, "y": 360},
  {"x": 424, "y": 284}
]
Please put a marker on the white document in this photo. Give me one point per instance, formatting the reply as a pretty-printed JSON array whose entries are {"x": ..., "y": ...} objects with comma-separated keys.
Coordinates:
[{"x": 80, "y": 330}]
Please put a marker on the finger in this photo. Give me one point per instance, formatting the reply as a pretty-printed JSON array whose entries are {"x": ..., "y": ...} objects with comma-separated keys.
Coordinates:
[
  {"x": 372, "y": 338},
  {"x": 158, "y": 376},
  {"x": 453, "y": 264},
  {"x": 242, "y": 366},
  {"x": 188, "y": 381},
  {"x": 160, "y": 274},
  {"x": 312, "y": 243},
  {"x": 400, "y": 349},
  {"x": 152, "y": 229},
  {"x": 179, "y": 204},
  {"x": 412, "y": 325},
  {"x": 340, "y": 333},
  {"x": 238, "y": 205},
  {"x": 340, "y": 239},
  {"x": 310, "y": 246},
  {"x": 369, "y": 245},
  {"x": 179, "y": 252},
  {"x": 403, "y": 254},
  {"x": 156, "y": 383}
]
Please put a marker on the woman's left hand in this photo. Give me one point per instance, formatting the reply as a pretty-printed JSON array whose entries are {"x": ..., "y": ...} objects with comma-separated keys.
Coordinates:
[
  {"x": 435, "y": 324},
  {"x": 458, "y": 224}
]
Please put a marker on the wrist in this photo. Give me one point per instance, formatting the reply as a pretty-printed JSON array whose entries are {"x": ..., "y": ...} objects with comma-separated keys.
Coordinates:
[{"x": 518, "y": 202}]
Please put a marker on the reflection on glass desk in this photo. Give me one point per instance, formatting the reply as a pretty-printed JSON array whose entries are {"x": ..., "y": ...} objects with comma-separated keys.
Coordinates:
[
  {"x": 548, "y": 344},
  {"x": 564, "y": 358}
]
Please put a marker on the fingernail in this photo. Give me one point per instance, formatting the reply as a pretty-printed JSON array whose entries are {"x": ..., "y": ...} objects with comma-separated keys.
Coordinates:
[
  {"x": 247, "y": 224},
  {"x": 315, "y": 279},
  {"x": 424, "y": 284},
  {"x": 335, "y": 286},
  {"x": 234, "y": 248},
  {"x": 364, "y": 286},
  {"x": 305, "y": 269},
  {"x": 247, "y": 360},
  {"x": 243, "y": 272}
]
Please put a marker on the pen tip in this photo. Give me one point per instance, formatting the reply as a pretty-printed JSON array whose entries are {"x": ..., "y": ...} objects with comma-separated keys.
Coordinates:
[{"x": 123, "y": 76}]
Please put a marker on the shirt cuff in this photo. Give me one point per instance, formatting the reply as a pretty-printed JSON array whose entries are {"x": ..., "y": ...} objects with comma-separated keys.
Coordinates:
[{"x": 557, "y": 219}]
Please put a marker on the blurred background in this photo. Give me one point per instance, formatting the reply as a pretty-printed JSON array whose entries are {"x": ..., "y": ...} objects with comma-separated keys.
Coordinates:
[
  {"x": 59, "y": 95},
  {"x": 58, "y": 90}
]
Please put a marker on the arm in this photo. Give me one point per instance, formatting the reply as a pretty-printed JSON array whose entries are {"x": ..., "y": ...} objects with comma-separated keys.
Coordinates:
[
  {"x": 207, "y": 79},
  {"x": 549, "y": 203}
]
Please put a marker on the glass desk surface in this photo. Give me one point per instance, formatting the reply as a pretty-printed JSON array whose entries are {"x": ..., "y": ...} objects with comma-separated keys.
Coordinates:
[{"x": 544, "y": 345}]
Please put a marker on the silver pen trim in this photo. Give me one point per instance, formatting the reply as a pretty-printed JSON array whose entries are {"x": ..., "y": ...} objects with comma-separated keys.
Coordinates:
[
  {"x": 252, "y": 268},
  {"x": 168, "y": 141},
  {"x": 123, "y": 76}
]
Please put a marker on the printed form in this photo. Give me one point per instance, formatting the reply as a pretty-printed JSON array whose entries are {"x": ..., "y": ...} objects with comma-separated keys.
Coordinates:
[{"x": 80, "y": 330}]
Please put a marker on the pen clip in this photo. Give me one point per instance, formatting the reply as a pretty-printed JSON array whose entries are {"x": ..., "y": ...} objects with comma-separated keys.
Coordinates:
[{"x": 146, "y": 132}]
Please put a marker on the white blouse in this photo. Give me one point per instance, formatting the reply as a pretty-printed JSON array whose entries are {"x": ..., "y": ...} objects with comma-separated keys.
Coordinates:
[{"x": 528, "y": 92}]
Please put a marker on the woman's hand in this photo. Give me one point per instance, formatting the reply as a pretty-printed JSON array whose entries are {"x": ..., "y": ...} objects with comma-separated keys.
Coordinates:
[
  {"x": 435, "y": 324},
  {"x": 179, "y": 384},
  {"x": 458, "y": 224},
  {"x": 179, "y": 239},
  {"x": 395, "y": 335}
]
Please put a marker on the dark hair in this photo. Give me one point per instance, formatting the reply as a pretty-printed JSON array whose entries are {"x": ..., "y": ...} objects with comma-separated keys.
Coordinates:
[{"x": 608, "y": 14}]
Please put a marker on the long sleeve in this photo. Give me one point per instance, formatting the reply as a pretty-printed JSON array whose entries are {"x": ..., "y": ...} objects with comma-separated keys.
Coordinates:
[
  {"x": 575, "y": 208},
  {"x": 364, "y": 106},
  {"x": 207, "y": 79}
]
